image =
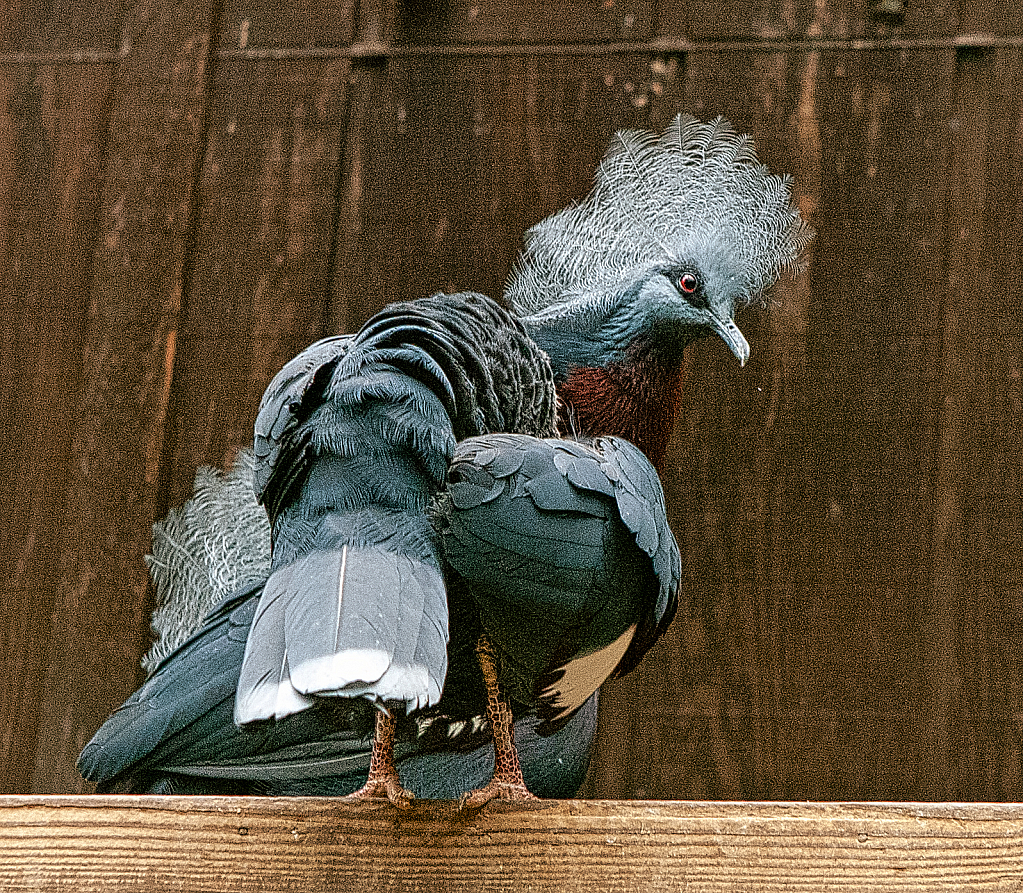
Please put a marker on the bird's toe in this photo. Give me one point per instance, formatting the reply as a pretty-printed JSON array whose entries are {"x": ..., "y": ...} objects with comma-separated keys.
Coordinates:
[
  {"x": 495, "y": 790},
  {"x": 385, "y": 788}
]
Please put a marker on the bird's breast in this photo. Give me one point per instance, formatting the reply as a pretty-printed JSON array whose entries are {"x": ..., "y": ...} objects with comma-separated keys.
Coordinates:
[{"x": 635, "y": 399}]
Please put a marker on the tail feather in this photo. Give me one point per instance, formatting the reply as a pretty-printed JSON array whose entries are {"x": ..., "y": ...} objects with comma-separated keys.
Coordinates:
[
  {"x": 355, "y": 622},
  {"x": 340, "y": 614},
  {"x": 265, "y": 689}
]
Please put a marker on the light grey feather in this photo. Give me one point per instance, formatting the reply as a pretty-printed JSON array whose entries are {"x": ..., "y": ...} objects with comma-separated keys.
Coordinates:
[
  {"x": 696, "y": 191},
  {"x": 218, "y": 541},
  {"x": 265, "y": 689},
  {"x": 416, "y": 674},
  {"x": 353, "y": 622}
]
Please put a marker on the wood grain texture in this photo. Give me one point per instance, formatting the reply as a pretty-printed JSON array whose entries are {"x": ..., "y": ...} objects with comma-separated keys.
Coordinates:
[
  {"x": 771, "y": 19},
  {"x": 972, "y": 640},
  {"x": 61, "y": 26},
  {"x": 261, "y": 24},
  {"x": 998, "y": 17},
  {"x": 521, "y": 22},
  {"x": 223, "y": 844},
  {"x": 265, "y": 231},
  {"x": 99, "y": 619},
  {"x": 52, "y": 142}
]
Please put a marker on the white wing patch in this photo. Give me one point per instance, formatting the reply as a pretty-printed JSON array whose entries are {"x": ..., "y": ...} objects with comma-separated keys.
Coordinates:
[{"x": 583, "y": 675}]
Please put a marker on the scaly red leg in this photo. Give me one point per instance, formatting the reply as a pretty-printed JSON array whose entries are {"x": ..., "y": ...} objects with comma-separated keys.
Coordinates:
[
  {"x": 507, "y": 783},
  {"x": 383, "y": 782}
]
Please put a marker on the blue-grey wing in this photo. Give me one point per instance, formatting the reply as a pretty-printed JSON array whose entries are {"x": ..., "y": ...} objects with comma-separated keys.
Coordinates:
[
  {"x": 566, "y": 549},
  {"x": 640, "y": 498},
  {"x": 293, "y": 394},
  {"x": 188, "y": 685}
]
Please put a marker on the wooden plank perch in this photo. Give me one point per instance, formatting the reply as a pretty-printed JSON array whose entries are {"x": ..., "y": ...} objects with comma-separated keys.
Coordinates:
[{"x": 91, "y": 843}]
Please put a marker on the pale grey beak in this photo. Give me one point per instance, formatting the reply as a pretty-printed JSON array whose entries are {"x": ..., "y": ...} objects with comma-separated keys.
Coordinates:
[{"x": 731, "y": 335}]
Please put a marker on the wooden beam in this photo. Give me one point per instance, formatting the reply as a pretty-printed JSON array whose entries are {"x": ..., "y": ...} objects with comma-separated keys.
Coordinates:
[
  {"x": 224, "y": 844},
  {"x": 53, "y": 130},
  {"x": 374, "y": 50},
  {"x": 116, "y": 412}
]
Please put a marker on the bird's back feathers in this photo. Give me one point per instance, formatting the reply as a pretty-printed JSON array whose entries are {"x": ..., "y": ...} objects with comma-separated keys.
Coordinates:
[
  {"x": 464, "y": 351},
  {"x": 353, "y": 439}
]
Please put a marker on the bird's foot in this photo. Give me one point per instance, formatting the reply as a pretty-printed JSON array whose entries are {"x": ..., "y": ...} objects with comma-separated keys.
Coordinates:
[
  {"x": 497, "y": 789},
  {"x": 384, "y": 787},
  {"x": 383, "y": 782},
  {"x": 507, "y": 782}
]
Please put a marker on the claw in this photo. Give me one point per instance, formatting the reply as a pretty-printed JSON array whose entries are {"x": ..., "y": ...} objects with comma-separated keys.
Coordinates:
[{"x": 497, "y": 789}]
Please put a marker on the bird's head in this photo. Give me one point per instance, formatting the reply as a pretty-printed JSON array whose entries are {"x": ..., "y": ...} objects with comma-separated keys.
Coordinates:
[{"x": 680, "y": 232}]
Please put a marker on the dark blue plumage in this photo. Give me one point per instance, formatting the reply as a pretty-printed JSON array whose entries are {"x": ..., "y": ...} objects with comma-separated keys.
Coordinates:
[
  {"x": 176, "y": 735},
  {"x": 349, "y": 455},
  {"x": 574, "y": 571},
  {"x": 468, "y": 529}
]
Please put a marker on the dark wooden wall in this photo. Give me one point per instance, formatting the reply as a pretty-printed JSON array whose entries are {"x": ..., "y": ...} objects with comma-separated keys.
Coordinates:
[{"x": 191, "y": 191}]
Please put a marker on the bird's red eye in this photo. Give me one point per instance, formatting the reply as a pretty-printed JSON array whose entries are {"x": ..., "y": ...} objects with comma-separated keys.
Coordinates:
[{"x": 688, "y": 283}]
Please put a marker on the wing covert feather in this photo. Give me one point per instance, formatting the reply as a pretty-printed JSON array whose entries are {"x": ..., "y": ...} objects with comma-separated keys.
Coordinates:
[{"x": 566, "y": 549}]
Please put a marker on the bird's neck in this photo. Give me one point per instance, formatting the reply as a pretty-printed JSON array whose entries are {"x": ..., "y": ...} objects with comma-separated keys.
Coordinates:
[{"x": 637, "y": 398}]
